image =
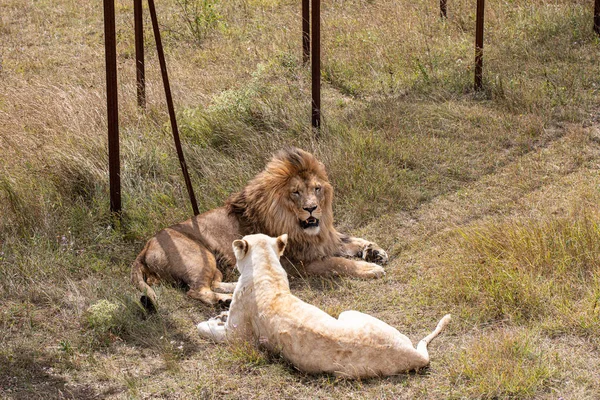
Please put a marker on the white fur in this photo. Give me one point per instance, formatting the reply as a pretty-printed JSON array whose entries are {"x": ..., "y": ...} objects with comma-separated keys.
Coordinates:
[{"x": 313, "y": 230}]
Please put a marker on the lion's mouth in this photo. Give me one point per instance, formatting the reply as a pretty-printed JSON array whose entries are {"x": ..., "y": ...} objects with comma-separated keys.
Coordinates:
[{"x": 310, "y": 222}]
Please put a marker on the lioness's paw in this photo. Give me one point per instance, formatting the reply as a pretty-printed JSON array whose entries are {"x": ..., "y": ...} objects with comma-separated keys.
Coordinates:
[
  {"x": 207, "y": 328},
  {"x": 213, "y": 329},
  {"x": 371, "y": 271},
  {"x": 374, "y": 253}
]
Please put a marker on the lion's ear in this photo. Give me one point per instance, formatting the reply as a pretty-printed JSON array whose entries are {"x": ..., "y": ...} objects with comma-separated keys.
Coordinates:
[
  {"x": 240, "y": 248},
  {"x": 281, "y": 243}
]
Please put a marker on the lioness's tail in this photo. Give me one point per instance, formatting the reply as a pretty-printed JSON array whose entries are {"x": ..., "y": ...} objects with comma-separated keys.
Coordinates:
[
  {"x": 422, "y": 345},
  {"x": 148, "y": 299}
]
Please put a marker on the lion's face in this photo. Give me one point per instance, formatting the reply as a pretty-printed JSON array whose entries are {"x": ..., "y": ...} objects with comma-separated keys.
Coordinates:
[
  {"x": 305, "y": 196},
  {"x": 291, "y": 195}
]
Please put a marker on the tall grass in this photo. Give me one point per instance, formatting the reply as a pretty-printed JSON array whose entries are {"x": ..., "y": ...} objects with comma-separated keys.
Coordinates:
[
  {"x": 508, "y": 364},
  {"x": 527, "y": 271}
]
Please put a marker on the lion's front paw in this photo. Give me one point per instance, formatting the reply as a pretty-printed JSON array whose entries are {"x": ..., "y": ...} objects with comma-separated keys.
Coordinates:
[
  {"x": 370, "y": 271},
  {"x": 374, "y": 253}
]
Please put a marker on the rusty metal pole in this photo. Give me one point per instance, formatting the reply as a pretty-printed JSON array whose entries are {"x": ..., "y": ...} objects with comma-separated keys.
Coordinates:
[
  {"x": 165, "y": 77},
  {"x": 479, "y": 45},
  {"x": 305, "y": 31},
  {"x": 597, "y": 17},
  {"x": 139, "y": 53},
  {"x": 443, "y": 10},
  {"x": 112, "y": 106},
  {"x": 316, "y": 63}
]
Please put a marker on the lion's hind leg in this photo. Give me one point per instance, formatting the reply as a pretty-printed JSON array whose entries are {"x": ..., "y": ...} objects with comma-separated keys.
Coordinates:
[
  {"x": 199, "y": 270},
  {"x": 208, "y": 296},
  {"x": 222, "y": 287}
]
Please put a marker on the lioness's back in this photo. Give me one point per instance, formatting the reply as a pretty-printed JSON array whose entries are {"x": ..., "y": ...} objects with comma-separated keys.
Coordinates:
[{"x": 314, "y": 341}]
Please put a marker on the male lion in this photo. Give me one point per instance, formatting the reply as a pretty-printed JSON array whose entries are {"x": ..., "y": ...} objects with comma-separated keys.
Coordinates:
[
  {"x": 292, "y": 195},
  {"x": 355, "y": 345}
]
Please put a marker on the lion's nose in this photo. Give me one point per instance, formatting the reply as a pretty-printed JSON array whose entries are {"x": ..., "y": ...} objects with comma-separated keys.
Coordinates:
[{"x": 310, "y": 209}]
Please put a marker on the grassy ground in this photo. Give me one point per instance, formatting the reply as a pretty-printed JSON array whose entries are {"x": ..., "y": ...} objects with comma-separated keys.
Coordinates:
[{"x": 487, "y": 202}]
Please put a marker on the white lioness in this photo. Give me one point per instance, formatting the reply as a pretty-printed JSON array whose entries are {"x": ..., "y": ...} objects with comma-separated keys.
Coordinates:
[{"x": 355, "y": 345}]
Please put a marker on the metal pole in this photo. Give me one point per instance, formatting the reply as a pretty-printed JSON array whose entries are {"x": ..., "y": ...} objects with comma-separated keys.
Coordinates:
[
  {"x": 139, "y": 53},
  {"x": 316, "y": 63},
  {"x": 597, "y": 17},
  {"x": 443, "y": 12},
  {"x": 479, "y": 45},
  {"x": 305, "y": 31},
  {"x": 112, "y": 106},
  {"x": 165, "y": 77}
]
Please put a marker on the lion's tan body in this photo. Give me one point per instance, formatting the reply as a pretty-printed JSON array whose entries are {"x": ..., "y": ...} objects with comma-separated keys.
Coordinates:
[
  {"x": 186, "y": 253},
  {"x": 355, "y": 345},
  {"x": 291, "y": 195}
]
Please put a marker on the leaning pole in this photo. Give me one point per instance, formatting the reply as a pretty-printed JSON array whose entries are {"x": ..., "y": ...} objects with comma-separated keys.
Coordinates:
[{"x": 171, "y": 107}]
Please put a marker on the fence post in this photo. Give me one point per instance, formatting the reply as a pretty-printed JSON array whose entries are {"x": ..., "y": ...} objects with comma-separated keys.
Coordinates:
[
  {"x": 316, "y": 63},
  {"x": 443, "y": 11},
  {"x": 165, "y": 77},
  {"x": 479, "y": 45},
  {"x": 305, "y": 31},
  {"x": 112, "y": 106},
  {"x": 597, "y": 17},
  {"x": 139, "y": 53}
]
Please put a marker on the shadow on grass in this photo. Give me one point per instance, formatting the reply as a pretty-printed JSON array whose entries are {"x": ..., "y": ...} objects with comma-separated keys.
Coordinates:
[
  {"x": 322, "y": 380},
  {"x": 316, "y": 283},
  {"x": 25, "y": 374},
  {"x": 158, "y": 332}
]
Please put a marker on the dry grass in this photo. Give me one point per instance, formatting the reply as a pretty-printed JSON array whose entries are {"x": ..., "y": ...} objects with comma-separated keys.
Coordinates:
[{"x": 486, "y": 201}]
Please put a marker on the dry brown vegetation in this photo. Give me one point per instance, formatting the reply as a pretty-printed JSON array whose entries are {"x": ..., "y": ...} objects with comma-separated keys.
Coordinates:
[{"x": 488, "y": 202}]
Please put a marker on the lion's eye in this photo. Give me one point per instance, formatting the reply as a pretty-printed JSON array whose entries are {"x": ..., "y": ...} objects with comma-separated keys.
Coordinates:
[
  {"x": 318, "y": 189},
  {"x": 295, "y": 193}
]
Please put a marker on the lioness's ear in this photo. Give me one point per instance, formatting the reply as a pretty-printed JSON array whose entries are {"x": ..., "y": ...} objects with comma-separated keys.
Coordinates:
[
  {"x": 240, "y": 248},
  {"x": 281, "y": 243}
]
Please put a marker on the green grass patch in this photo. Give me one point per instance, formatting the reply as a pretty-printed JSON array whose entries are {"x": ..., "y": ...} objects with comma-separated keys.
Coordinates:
[
  {"x": 504, "y": 364},
  {"x": 526, "y": 271}
]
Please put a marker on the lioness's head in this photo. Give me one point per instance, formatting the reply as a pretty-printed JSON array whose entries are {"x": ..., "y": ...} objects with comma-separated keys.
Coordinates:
[
  {"x": 242, "y": 246},
  {"x": 262, "y": 244}
]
